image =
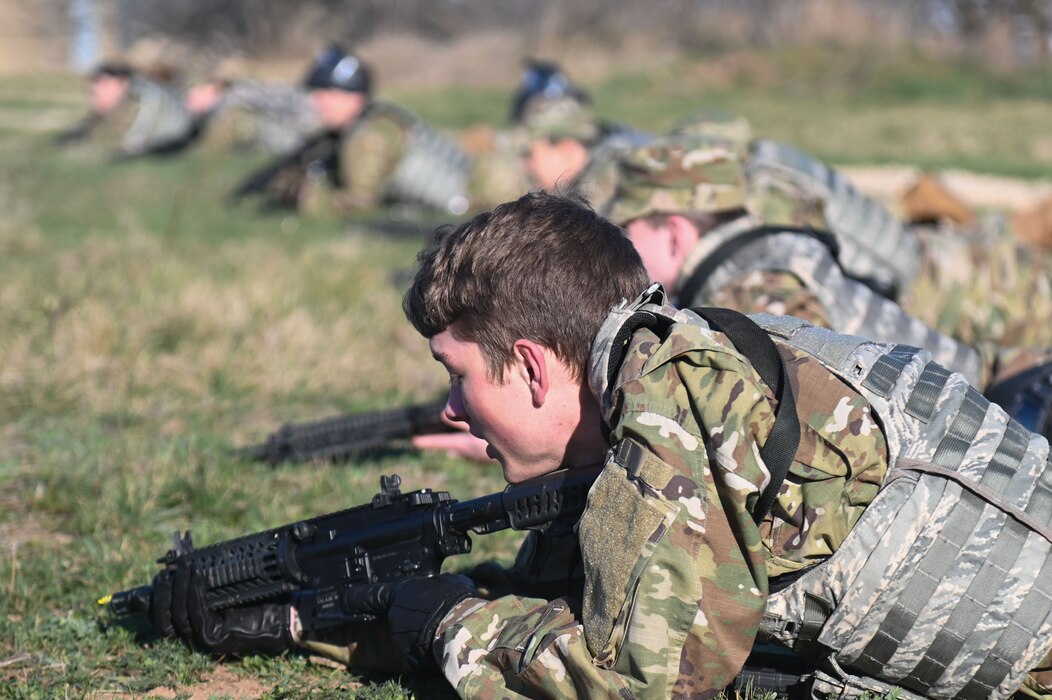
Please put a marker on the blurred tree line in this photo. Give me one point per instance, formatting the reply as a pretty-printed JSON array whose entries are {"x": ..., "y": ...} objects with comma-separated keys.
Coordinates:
[{"x": 1006, "y": 31}]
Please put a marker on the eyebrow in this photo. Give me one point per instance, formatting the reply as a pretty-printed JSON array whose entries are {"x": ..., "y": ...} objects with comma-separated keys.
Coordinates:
[{"x": 439, "y": 356}]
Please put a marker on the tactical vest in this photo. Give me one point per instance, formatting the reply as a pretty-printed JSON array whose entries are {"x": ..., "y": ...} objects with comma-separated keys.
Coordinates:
[
  {"x": 811, "y": 257},
  {"x": 874, "y": 244},
  {"x": 282, "y": 114},
  {"x": 944, "y": 586},
  {"x": 161, "y": 120},
  {"x": 433, "y": 170}
]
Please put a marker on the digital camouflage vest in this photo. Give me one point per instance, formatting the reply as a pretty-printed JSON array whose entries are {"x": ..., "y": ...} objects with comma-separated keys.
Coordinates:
[
  {"x": 433, "y": 171},
  {"x": 874, "y": 244},
  {"x": 732, "y": 251},
  {"x": 274, "y": 118},
  {"x": 944, "y": 586},
  {"x": 160, "y": 118}
]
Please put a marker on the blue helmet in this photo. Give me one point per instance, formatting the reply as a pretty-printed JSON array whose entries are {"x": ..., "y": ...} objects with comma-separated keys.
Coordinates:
[
  {"x": 336, "y": 69},
  {"x": 546, "y": 80}
]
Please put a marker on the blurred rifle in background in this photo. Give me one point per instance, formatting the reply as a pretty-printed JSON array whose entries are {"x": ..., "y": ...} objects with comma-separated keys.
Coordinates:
[
  {"x": 339, "y": 437},
  {"x": 281, "y": 182}
]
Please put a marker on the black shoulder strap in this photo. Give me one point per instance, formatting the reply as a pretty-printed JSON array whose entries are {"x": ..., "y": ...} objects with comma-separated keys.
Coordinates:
[
  {"x": 752, "y": 341},
  {"x": 730, "y": 248}
]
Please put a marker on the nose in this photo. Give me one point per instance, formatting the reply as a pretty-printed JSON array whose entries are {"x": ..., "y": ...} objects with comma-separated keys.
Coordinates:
[{"x": 454, "y": 409}]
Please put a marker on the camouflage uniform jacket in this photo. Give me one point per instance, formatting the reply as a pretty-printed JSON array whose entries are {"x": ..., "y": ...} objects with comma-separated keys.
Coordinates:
[
  {"x": 370, "y": 150},
  {"x": 676, "y": 572}
]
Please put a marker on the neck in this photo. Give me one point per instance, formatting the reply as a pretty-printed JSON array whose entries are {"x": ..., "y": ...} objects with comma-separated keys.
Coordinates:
[{"x": 588, "y": 444}]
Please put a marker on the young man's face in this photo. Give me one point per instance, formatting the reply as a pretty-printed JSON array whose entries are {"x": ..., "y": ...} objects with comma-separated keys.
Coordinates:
[
  {"x": 531, "y": 430},
  {"x": 657, "y": 245},
  {"x": 551, "y": 163},
  {"x": 107, "y": 91},
  {"x": 337, "y": 108}
]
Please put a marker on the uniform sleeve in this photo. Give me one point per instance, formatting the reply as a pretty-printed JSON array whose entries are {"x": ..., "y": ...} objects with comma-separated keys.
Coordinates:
[
  {"x": 776, "y": 293},
  {"x": 675, "y": 583},
  {"x": 368, "y": 159}
]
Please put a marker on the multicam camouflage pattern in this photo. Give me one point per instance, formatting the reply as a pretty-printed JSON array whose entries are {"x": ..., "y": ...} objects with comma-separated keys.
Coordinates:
[
  {"x": 733, "y": 130},
  {"x": 675, "y": 593},
  {"x": 271, "y": 118},
  {"x": 678, "y": 175},
  {"x": 498, "y": 174},
  {"x": 944, "y": 586},
  {"x": 992, "y": 292},
  {"x": 148, "y": 119},
  {"x": 560, "y": 118},
  {"x": 795, "y": 273}
]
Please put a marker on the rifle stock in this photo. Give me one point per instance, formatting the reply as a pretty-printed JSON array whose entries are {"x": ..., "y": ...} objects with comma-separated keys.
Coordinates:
[{"x": 336, "y": 438}]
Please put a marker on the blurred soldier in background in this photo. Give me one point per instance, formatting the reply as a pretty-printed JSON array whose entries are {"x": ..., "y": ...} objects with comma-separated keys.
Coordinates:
[
  {"x": 231, "y": 113},
  {"x": 687, "y": 205},
  {"x": 129, "y": 114},
  {"x": 499, "y": 173},
  {"x": 543, "y": 80},
  {"x": 370, "y": 153},
  {"x": 567, "y": 149}
]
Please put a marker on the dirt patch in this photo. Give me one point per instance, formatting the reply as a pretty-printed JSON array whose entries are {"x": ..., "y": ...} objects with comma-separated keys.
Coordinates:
[
  {"x": 221, "y": 682},
  {"x": 29, "y": 529}
]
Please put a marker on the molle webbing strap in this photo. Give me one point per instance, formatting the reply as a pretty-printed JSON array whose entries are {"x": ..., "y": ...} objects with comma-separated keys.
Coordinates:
[
  {"x": 1007, "y": 458},
  {"x": 962, "y": 431},
  {"x": 729, "y": 249},
  {"x": 922, "y": 584},
  {"x": 882, "y": 377},
  {"x": 921, "y": 403},
  {"x": 1040, "y": 505},
  {"x": 1025, "y": 624},
  {"x": 756, "y": 345},
  {"x": 976, "y": 599},
  {"x": 944, "y": 556}
]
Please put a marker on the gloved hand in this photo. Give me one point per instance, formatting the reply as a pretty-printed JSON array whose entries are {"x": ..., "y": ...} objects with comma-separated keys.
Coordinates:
[
  {"x": 178, "y": 608},
  {"x": 415, "y": 607}
]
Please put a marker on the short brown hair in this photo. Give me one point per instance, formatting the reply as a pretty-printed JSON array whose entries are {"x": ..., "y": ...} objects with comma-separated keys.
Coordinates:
[{"x": 545, "y": 267}]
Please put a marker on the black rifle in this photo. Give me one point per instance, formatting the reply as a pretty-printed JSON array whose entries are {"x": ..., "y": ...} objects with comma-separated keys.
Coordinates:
[
  {"x": 319, "y": 565},
  {"x": 280, "y": 182},
  {"x": 337, "y": 438}
]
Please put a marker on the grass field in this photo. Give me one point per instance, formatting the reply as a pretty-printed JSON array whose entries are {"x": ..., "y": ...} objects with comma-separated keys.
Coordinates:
[{"x": 146, "y": 329}]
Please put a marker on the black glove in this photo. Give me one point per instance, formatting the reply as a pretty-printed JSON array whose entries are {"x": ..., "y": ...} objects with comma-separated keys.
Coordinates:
[
  {"x": 415, "y": 607},
  {"x": 178, "y": 608}
]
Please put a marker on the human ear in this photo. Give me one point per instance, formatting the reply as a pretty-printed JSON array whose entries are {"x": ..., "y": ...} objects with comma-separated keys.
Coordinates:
[
  {"x": 533, "y": 368},
  {"x": 683, "y": 235}
]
